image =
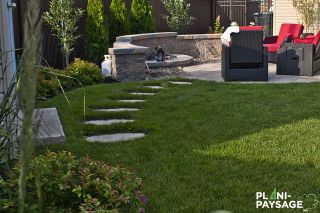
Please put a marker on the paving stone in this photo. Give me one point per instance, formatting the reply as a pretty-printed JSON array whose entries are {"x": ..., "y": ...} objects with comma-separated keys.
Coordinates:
[
  {"x": 118, "y": 110},
  {"x": 108, "y": 122},
  {"x": 109, "y": 138},
  {"x": 143, "y": 93},
  {"x": 131, "y": 101},
  {"x": 154, "y": 87},
  {"x": 180, "y": 82},
  {"x": 50, "y": 128}
]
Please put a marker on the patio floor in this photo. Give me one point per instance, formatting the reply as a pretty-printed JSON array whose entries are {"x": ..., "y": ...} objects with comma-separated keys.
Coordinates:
[{"x": 212, "y": 72}]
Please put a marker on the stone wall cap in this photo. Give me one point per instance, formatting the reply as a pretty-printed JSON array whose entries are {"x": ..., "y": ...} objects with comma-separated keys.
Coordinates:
[
  {"x": 130, "y": 38},
  {"x": 130, "y": 49},
  {"x": 199, "y": 36}
]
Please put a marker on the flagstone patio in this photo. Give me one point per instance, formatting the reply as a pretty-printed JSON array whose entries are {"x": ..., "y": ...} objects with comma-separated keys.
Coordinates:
[{"x": 212, "y": 72}]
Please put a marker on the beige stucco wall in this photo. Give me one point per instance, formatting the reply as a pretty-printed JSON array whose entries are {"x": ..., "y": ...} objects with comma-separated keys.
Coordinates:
[{"x": 284, "y": 12}]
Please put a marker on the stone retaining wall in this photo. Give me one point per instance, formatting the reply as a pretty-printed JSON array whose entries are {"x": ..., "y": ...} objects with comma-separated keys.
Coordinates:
[{"x": 129, "y": 52}]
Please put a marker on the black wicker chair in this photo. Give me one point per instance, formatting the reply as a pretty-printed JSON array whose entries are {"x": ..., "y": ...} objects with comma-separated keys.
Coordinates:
[
  {"x": 246, "y": 59},
  {"x": 299, "y": 58}
]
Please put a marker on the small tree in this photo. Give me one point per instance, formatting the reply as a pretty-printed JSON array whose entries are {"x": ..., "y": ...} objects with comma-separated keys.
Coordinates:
[
  {"x": 178, "y": 18},
  {"x": 308, "y": 9},
  {"x": 141, "y": 17},
  {"x": 119, "y": 20},
  {"x": 62, "y": 18},
  {"x": 96, "y": 33},
  {"x": 217, "y": 26}
]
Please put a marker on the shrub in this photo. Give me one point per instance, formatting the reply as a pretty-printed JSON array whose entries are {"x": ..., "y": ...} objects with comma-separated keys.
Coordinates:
[
  {"x": 47, "y": 84},
  {"x": 141, "y": 17},
  {"x": 79, "y": 73},
  {"x": 96, "y": 33},
  {"x": 58, "y": 182},
  {"x": 217, "y": 26},
  {"x": 85, "y": 72},
  {"x": 178, "y": 18},
  {"x": 119, "y": 21}
]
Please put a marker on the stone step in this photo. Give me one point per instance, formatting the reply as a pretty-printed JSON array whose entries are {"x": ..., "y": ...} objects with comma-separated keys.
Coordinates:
[
  {"x": 108, "y": 122},
  {"x": 143, "y": 93},
  {"x": 131, "y": 101},
  {"x": 117, "y": 110},
  {"x": 109, "y": 138},
  {"x": 154, "y": 87},
  {"x": 180, "y": 82}
]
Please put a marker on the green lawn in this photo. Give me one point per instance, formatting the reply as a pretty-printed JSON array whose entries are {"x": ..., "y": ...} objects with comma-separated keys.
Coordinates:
[{"x": 209, "y": 145}]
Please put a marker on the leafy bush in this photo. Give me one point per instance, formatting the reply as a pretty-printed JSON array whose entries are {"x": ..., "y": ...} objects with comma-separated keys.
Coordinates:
[
  {"x": 178, "y": 18},
  {"x": 47, "y": 84},
  {"x": 217, "y": 26},
  {"x": 96, "y": 33},
  {"x": 119, "y": 21},
  {"x": 85, "y": 72},
  {"x": 79, "y": 73},
  {"x": 58, "y": 182},
  {"x": 141, "y": 17}
]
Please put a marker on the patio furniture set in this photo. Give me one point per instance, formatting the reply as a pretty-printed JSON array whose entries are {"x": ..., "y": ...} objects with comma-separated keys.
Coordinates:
[{"x": 248, "y": 55}]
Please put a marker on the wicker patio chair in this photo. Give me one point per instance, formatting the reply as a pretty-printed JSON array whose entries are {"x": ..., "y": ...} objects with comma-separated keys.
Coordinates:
[
  {"x": 246, "y": 59},
  {"x": 274, "y": 43},
  {"x": 302, "y": 57}
]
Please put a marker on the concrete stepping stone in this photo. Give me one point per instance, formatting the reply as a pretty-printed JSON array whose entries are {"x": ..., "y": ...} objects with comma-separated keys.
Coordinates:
[
  {"x": 131, "y": 101},
  {"x": 118, "y": 110},
  {"x": 154, "y": 87},
  {"x": 143, "y": 93},
  {"x": 180, "y": 82},
  {"x": 109, "y": 138},
  {"x": 108, "y": 122}
]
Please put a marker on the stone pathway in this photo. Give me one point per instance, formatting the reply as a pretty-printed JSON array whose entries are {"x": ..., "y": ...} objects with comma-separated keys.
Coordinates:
[
  {"x": 212, "y": 72},
  {"x": 108, "y": 122},
  {"x": 118, "y": 110},
  {"x": 115, "y": 137},
  {"x": 154, "y": 87},
  {"x": 143, "y": 93},
  {"x": 180, "y": 82},
  {"x": 131, "y": 101},
  {"x": 118, "y": 137}
]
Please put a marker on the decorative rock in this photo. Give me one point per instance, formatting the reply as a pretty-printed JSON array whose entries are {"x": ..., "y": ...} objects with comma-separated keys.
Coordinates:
[
  {"x": 118, "y": 110},
  {"x": 180, "y": 82},
  {"x": 115, "y": 137},
  {"x": 143, "y": 93},
  {"x": 108, "y": 122},
  {"x": 131, "y": 101},
  {"x": 154, "y": 87}
]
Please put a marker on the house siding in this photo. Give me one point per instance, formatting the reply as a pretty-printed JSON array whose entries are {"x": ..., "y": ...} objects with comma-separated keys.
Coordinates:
[{"x": 284, "y": 12}]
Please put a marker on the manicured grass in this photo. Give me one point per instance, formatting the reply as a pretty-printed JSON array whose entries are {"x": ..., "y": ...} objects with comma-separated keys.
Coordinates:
[{"x": 209, "y": 145}]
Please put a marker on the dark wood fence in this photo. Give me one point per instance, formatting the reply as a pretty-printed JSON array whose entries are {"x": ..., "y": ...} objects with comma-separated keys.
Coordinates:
[{"x": 205, "y": 12}]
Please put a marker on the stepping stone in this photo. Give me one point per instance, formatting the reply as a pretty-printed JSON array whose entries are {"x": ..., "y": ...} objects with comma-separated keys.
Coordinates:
[
  {"x": 180, "y": 82},
  {"x": 154, "y": 87},
  {"x": 131, "y": 101},
  {"x": 108, "y": 122},
  {"x": 118, "y": 110},
  {"x": 115, "y": 137},
  {"x": 143, "y": 93}
]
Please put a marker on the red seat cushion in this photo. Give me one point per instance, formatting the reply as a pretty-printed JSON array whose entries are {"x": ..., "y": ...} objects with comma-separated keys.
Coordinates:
[
  {"x": 309, "y": 40},
  {"x": 271, "y": 47},
  {"x": 316, "y": 39},
  {"x": 251, "y": 27}
]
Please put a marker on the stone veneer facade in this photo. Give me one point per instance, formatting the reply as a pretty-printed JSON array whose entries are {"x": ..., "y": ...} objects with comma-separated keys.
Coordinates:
[{"x": 129, "y": 52}]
